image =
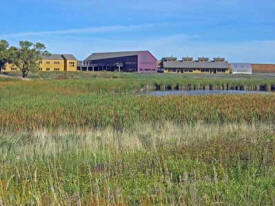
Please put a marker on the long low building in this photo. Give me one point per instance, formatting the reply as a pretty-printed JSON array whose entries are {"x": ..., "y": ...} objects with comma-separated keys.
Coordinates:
[
  {"x": 202, "y": 65},
  {"x": 131, "y": 61},
  {"x": 53, "y": 62}
]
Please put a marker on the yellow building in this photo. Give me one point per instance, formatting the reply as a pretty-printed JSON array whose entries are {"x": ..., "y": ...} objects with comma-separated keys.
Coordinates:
[
  {"x": 201, "y": 66},
  {"x": 70, "y": 63},
  {"x": 10, "y": 68},
  {"x": 54, "y": 62}
]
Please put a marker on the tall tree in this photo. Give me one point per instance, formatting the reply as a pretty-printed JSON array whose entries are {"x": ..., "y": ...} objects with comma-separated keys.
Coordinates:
[
  {"x": 4, "y": 53},
  {"x": 27, "y": 56}
]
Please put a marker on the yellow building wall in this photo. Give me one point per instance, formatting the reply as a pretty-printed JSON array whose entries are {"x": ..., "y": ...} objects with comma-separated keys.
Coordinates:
[
  {"x": 71, "y": 65},
  {"x": 195, "y": 71},
  {"x": 51, "y": 65},
  {"x": 10, "y": 68}
]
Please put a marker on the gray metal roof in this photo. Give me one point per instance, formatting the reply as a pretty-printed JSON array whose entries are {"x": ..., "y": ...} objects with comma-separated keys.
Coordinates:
[
  {"x": 241, "y": 68},
  {"x": 108, "y": 55},
  {"x": 52, "y": 57},
  {"x": 69, "y": 56},
  {"x": 196, "y": 65},
  {"x": 169, "y": 59}
]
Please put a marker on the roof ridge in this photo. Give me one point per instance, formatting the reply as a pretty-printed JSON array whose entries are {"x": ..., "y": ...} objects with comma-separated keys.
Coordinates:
[{"x": 118, "y": 52}]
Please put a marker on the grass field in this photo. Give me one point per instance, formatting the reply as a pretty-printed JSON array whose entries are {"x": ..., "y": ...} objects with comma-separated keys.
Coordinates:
[
  {"x": 95, "y": 140},
  {"x": 150, "y": 81},
  {"x": 147, "y": 165}
]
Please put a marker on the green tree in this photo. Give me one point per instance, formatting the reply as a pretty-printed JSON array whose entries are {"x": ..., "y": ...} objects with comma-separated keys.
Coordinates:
[
  {"x": 4, "y": 53},
  {"x": 27, "y": 56}
]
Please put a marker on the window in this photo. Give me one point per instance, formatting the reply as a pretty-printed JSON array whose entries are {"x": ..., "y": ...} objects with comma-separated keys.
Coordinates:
[
  {"x": 48, "y": 69},
  {"x": 71, "y": 64},
  {"x": 48, "y": 62},
  {"x": 13, "y": 69},
  {"x": 56, "y": 69},
  {"x": 40, "y": 62},
  {"x": 40, "y": 69},
  {"x": 56, "y": 62}
]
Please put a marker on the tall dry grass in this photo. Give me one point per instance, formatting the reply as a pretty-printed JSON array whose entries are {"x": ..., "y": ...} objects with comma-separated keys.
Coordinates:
[
  {"x": 34, "y": 111},
  {"x": 96, "y": 142},
  {"x": 163, "y": 164},
  {"x": 102, "y": 102}
]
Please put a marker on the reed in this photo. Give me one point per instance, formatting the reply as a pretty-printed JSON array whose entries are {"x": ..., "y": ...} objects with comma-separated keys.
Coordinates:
[
  {"x": 71, "y": 108},
  {"x": 118, "y": 103},
  {"x": 162, "y": 164},
  {"x": 100, "y": 141}
]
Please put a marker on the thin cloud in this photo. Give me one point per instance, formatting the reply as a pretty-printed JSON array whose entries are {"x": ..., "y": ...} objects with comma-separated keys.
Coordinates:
[
  {"x": 179, "y": 46},
  {"x": 88, "y": 30}
]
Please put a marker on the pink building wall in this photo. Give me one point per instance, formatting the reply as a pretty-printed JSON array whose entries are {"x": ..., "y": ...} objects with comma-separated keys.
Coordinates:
[{"x": 146, "y": 62}]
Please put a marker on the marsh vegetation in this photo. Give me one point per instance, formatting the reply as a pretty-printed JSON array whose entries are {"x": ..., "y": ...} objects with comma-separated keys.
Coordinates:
[{"x": 97, "y": 141}]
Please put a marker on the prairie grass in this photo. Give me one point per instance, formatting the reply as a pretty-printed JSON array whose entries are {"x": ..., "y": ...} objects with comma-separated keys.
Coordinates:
[
  {"x": 66, "y": 109},
  {"x": 117, "y": 103},
  {"x": 163, "y": 164},
  {"x": 98, "y": 141},
  {"x": 149, "y": 81}
]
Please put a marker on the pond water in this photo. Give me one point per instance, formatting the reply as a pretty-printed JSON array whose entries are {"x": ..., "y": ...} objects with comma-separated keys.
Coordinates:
[{"x": 202, "y": 92}]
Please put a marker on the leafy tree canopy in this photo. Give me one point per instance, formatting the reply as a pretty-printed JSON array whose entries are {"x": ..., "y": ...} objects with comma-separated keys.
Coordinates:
[
  {"x": 4, "y": 53},
  {"x": 26, "y": 57}
]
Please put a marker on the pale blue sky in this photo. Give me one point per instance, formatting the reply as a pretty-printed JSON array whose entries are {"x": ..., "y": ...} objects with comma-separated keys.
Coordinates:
[{"x": 240, "y": 30}]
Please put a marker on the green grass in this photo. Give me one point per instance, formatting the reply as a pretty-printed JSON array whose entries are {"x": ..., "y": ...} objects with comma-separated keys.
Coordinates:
[
  {"x": 150, "y": 80},
  {"x": 118, "y": 103},
  {"x": 150, "y": 165},
  {"x": 94, "y": 139},
  {"x": 31, "y": 105}
]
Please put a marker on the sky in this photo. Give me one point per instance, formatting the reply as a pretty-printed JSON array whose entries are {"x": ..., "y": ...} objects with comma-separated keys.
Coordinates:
[{"x": 239, "y": 30}]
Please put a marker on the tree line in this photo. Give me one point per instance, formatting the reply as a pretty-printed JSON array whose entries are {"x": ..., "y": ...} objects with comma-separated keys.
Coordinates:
[{"x": 25, "y": 57}]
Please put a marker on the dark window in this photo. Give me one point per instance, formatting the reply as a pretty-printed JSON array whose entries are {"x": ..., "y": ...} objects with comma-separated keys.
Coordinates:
[
  {"x": 56, "y": 62},
  {"x": 56, "y": 69},
  {"x": 48, "y": 62},
  {"x": 48, "y": 69},
  {"x": 128, "y": 63}
]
